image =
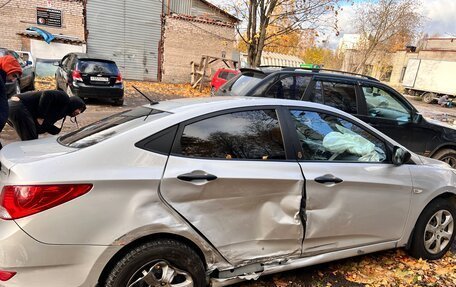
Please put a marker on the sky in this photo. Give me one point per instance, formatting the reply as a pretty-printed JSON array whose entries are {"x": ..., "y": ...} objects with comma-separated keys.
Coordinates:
[{"x": 439, "y": 18}]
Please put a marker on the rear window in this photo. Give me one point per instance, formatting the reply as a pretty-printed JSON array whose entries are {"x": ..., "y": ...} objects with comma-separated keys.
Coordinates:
[
  {"x": 109, "y": 127},
  {"x": 97, "y": 67},
  {"x": 244, "y": 83}
]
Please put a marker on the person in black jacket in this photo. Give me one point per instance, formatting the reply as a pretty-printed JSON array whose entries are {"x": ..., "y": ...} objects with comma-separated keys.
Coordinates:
[{"x": 34, "y": 113}]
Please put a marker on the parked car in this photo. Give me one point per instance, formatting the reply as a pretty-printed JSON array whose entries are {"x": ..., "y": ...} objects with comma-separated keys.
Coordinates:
[
  {"x": 27, "y": 80},
  {"x": 90, "y": 77},
  {"x": 220, "y": 77},
  {"x": 217, "y": 189},
  {"x": 362, "y": 96}
]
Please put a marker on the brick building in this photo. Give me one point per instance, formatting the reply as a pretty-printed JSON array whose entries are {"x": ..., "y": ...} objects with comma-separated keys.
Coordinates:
[
  {"x": 191, "y": 33},
  {"x": 18, "y": 15},
  {"x": 149, "y": 40},
  {"x": 441, "y": 49}
]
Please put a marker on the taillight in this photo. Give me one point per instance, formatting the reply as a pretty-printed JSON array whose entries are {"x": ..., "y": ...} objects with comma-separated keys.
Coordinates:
[
  {"x": 119, "y": 78},
  {"x": 17, "y": 201},
  {"x": 77, "y": 76},
  {"x": 6, "y": 275}
]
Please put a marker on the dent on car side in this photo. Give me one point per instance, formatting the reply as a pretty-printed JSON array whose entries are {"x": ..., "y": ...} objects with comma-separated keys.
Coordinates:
[{"x": 134, "y": 198}]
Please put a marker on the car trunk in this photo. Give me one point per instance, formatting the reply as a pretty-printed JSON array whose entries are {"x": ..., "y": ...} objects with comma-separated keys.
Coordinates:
[
  {"x": 31, "y": 151},
  {"x": 98, "y": 72}
]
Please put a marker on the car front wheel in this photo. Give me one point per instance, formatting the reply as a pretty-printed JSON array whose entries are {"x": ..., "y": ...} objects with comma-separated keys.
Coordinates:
[
  {"x": 435, "y": 230},
  {"x": 446, "y": 155},
  {"x": 159, "y": 263}
]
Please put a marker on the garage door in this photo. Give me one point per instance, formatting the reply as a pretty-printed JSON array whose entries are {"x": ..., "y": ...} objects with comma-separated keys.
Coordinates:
[{"x": 128, "y": 32}]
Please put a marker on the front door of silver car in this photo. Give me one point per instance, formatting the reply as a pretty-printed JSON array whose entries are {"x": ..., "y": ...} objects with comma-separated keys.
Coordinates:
[
  {"x": 228, "y": 175},
  {"x": 355, "y": 196}
]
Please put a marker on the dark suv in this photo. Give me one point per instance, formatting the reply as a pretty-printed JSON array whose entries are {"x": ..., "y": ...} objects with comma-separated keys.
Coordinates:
[
  {"x": 89, "y": 76},
  {"x": 363, "y": 96}
]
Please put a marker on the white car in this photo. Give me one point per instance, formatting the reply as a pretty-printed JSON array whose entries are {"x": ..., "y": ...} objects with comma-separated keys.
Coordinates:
[{"x": 193, "y": 192}]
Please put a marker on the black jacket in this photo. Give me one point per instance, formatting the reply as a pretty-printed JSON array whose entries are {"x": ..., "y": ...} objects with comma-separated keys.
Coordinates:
[{"x": 51, "y": 106}]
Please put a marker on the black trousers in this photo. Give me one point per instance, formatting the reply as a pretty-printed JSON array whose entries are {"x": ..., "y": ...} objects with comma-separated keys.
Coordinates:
[{"x": 22, "y": 121}]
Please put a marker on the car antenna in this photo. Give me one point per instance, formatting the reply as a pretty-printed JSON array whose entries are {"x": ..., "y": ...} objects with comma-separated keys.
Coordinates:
[{"x": 152, "y": 102}]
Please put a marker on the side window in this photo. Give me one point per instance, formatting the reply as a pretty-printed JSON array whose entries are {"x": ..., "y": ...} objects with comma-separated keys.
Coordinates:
[
  {"x": 18, "y": 58},
  {"x": 229, "y": 76},
  {"x": 65, "y": 62},
  {"x": 381, "y": 104},
  {"x": 340, "y": 96},
  {"x": 316, "y": 95},
  {"x": 291, "y": 87},
  {"x": 326, "y": 137},
  {"x": 241, "y": 135},
  {"x": 223, "y": 75}
]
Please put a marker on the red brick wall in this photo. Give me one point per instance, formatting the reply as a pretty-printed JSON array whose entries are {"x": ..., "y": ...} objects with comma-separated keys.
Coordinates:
[
  {"x": 17, "y": 15},
  {"x": 186, "y": 41}
]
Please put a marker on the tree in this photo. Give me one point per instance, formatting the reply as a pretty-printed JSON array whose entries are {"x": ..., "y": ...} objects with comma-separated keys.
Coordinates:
[
  {"x": 322, "y": 56},
  {"x": 266, "y": 21},
  {"x": 385, "y": 25}
]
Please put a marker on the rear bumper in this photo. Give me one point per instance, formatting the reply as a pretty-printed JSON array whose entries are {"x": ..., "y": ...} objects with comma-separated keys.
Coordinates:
[
  {"x": 39, "y": 264},
  {"x": 115, "y": 92}
]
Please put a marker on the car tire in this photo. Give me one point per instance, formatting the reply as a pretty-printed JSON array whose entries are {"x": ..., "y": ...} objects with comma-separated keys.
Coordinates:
[
  {"x": 69, "y": 91},
  {"x": 31, "y": 87},
  {"x": 150, "y": 260},
  {"x": 437, "y": 219},
  {"x": 428, "y": 98},
  {"x": 446, "y": 155},
  {"x": 213, "y": 91},
  {"x": 118, "y": 103}
]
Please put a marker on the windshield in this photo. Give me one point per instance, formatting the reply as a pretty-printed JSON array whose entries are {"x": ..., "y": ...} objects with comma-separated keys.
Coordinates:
[
  {"x": 97, "y": 67},
  {"x": 110, "y": 126},
  {"x": 244, "y": 83}
]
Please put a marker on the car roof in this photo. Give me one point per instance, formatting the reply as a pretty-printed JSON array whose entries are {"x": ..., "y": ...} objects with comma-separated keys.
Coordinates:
[
  {"x": 201, "y": 105},
  {"x": 268, "y": 70}
]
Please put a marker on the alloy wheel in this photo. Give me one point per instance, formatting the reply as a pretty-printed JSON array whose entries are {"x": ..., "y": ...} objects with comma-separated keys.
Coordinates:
[
  {"x": 449, "y": 159},
  {"x": 160, "y": 274},
  {"x": 438, "y": 231}
]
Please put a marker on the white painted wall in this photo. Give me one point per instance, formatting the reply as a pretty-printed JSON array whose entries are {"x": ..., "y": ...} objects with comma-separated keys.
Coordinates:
[{"x": 43, "y": 50}]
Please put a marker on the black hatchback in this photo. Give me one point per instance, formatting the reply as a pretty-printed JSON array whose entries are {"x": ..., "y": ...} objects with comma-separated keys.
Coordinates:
[
  {"x": 365, "y": 97},
  {"x": 90, "y": 77}
]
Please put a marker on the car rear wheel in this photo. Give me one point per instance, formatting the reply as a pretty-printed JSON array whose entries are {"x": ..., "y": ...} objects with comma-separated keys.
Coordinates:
[
  {"x": 119, "y": 102},
  {"x": 435, "y": 230},
  {"x": 31, "y": 87},
  {"x": 446, "y": 155},
  {"x": 159, "y": 263},
  {"x": 69, "y": 91},
  {"x": 428, "y": 97}
]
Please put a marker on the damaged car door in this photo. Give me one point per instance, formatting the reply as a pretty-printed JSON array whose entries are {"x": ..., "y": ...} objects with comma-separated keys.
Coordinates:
[
  {"x": 355, "y": 195},
  {"x": 229, "y": 176}
]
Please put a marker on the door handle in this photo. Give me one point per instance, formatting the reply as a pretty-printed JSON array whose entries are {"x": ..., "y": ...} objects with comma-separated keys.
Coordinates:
[
  {"x": 195, "y": 176},
  {"x": 328, "y": 178}
]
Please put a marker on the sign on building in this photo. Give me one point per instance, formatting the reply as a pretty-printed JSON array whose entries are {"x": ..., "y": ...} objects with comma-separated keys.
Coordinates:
[{"x": 49, "y": 17}]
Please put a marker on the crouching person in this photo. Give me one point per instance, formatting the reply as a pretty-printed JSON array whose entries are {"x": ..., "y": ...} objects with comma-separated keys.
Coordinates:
[{"x": 34, "y": 113}]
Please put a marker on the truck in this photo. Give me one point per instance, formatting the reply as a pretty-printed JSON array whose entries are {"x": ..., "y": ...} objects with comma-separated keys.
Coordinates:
[{"x": 430, "y": 79}]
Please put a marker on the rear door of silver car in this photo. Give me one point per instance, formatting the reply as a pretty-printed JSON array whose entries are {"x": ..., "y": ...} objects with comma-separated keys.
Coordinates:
[{"x": 232, "y": 176}]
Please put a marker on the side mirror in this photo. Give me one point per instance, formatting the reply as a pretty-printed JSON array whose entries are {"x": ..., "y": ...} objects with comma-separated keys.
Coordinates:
[
  {"x": 417, "y": 118},
  {"x": 400, "y": 156}
]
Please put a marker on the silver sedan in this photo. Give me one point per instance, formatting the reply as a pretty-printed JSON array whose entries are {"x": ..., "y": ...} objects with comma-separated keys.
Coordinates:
[{"x": 213, "y": 191}]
